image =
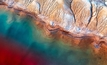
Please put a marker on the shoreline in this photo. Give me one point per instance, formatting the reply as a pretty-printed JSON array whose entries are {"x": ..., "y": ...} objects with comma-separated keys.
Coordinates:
[
  {"x": 84, "y": 42},
  {"x": 87, "y": 42}
]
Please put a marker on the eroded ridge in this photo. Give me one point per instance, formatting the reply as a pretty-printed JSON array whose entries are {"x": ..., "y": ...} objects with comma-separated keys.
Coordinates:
[{"x": 79, "y": 17}]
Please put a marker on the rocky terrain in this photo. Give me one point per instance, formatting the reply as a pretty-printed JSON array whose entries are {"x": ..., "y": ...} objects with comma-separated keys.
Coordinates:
[
  {"x": 78, "y": 18},
  {"x": 83, "y": 23}
]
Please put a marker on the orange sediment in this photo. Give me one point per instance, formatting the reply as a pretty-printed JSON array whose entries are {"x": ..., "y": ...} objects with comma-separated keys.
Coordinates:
[{"x": 83, "y": 42}]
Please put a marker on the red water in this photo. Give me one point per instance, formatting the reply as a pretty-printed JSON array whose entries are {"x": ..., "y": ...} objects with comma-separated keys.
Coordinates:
[{"x": 12, "y": 53}]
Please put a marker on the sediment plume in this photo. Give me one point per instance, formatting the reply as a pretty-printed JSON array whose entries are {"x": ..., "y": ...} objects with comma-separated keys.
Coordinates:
[{"x": 76, "y": 21}]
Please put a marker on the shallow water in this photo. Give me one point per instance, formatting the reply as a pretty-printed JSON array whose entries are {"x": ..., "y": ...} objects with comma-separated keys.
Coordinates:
[{"x": 32, "y": 47}]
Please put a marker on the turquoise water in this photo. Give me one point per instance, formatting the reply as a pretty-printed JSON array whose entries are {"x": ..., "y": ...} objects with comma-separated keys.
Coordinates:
[{"x": 24, "y": 31}]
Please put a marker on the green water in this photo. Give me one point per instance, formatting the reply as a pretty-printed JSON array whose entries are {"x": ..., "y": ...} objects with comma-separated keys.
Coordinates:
[{"x": 23, "y": 30}]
